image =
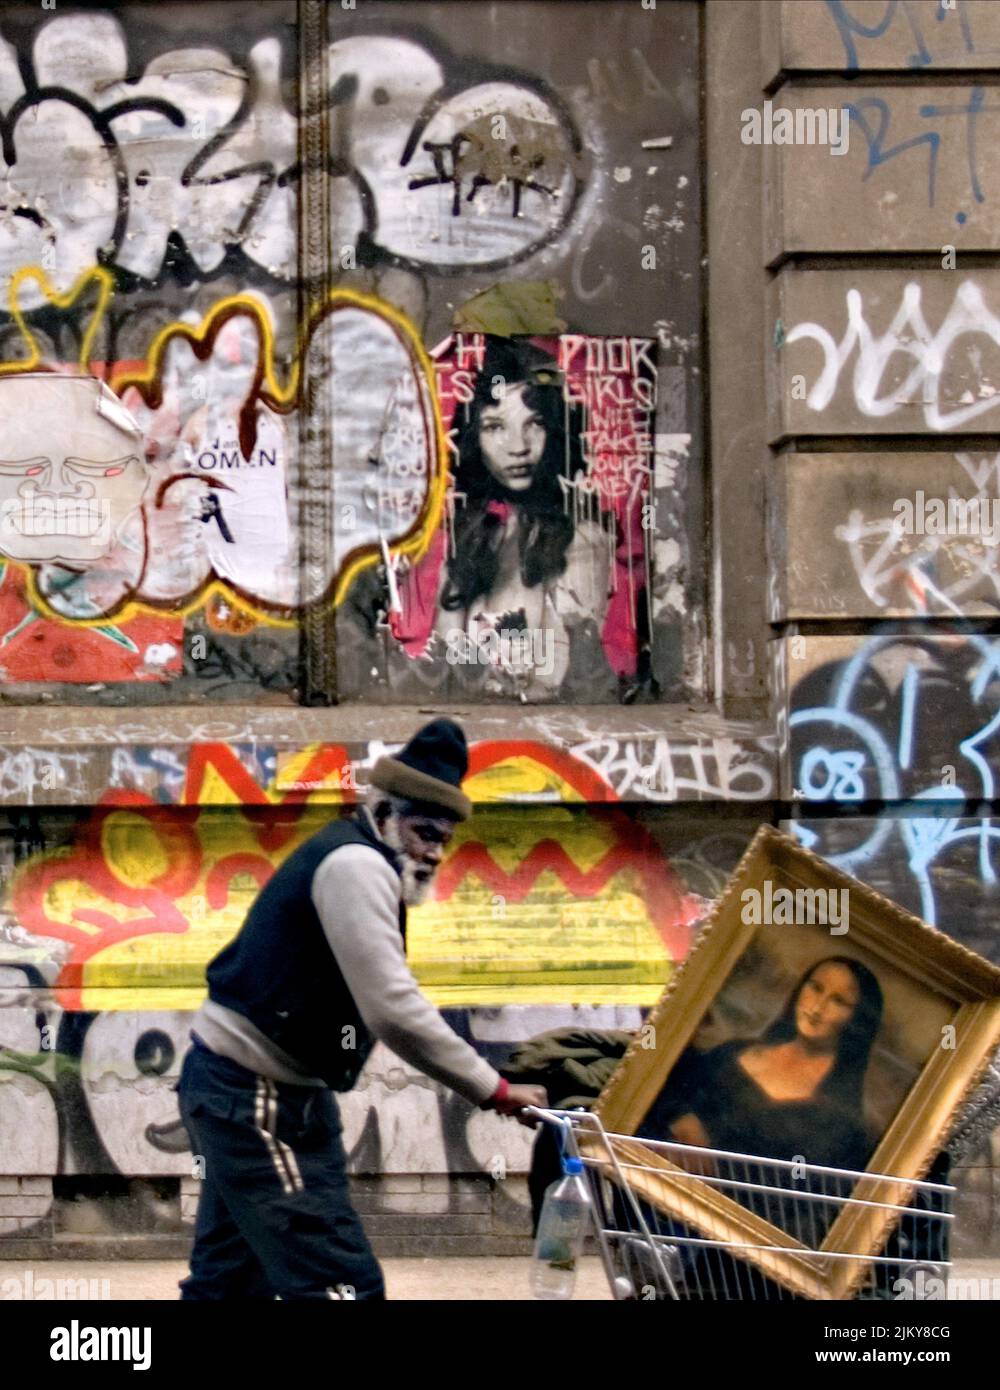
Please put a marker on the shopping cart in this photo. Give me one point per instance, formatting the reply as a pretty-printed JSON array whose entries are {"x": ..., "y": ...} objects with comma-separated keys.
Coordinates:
[{"x": 650, "y": 1251}]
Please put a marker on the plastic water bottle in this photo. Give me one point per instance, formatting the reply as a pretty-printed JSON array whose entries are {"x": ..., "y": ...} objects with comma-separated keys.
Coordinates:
[{"x": 561, "y": 1230}]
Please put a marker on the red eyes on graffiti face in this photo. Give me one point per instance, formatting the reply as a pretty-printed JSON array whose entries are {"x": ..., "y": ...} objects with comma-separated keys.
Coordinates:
[
  {"x": 64, "y": 506},
  {"x": 512, "y": 440},
  {"x": 68, "y": 472}
]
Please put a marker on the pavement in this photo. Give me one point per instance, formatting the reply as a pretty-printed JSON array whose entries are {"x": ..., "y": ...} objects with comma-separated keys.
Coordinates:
[{"x": 451, "y": 1279}]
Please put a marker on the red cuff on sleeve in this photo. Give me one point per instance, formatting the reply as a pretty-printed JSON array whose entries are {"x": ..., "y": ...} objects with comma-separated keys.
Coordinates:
[{"x": 500, "y": 1094}]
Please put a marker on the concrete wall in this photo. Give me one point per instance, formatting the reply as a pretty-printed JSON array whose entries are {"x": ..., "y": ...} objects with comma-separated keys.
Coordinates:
[{"x": 881, "y": 339}]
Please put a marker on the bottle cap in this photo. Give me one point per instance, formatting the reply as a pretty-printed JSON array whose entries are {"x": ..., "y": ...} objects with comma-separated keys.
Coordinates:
[{"x": 572, "y": 1166}]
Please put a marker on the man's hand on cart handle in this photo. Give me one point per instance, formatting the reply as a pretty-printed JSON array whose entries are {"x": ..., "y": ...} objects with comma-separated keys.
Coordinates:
[{"x": 511, "y": 1100}]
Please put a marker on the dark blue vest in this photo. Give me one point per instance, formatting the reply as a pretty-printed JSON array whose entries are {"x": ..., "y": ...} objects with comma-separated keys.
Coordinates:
[{"x": 280, "y": 973}]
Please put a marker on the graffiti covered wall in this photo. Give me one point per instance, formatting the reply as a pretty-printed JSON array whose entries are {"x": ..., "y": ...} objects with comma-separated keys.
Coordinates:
[
  {"x": 462, "y": 438},
  {"x": 504, "y": 516},
  {"x": 574, "y": 915},
  {"x": 884, "y": 516},
  {"x": 904, "y": 727},
  {"x": 882, "y": 519},
  {"x": 153, "y": 553}
]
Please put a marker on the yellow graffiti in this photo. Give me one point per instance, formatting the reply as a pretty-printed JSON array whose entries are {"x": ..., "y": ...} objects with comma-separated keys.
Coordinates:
[
  {"x": 158, "y": 970},
  {"x": 215, "y": 588},
  {"x": 550, "y": 903},
  {"x": 506, "y": 927},
  {"x": 133, "y": 851},
  {"x": 553, "y": 905},
  {"x": 521, "y": 778},
  {"x": 279, "y": 395},
  {"x": 283, "y": 396},
  {"x": 96, "y": 275}
]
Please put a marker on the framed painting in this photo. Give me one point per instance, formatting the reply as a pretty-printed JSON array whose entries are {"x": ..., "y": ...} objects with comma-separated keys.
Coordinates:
[{"x": 819, "y": 1028}]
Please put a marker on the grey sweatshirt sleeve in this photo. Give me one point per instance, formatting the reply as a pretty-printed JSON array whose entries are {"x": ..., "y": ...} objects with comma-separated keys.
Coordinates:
[{"x": 356, "y": 894}]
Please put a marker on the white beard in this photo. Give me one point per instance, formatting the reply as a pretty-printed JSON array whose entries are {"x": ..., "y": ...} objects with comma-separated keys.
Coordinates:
[{"x": 415, "y": 890}]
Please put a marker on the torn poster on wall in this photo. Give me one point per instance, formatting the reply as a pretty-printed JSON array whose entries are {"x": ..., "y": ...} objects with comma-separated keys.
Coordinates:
[{"x": 536, "y": 583}]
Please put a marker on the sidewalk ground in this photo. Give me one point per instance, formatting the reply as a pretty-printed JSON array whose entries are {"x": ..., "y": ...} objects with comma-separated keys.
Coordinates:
[{"x": 453, "y": 1279}]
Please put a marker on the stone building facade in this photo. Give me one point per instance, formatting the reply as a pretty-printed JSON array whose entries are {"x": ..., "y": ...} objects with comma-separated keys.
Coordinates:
[{"x": 299, "y": 255}]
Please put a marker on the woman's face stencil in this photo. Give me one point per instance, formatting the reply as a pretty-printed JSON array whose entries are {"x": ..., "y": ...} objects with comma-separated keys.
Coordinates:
[{"x": 512, "y": 439}]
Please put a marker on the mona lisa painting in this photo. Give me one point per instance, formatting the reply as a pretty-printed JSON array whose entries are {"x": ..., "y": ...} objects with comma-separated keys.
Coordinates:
[{"x": 836, "y": 1038}]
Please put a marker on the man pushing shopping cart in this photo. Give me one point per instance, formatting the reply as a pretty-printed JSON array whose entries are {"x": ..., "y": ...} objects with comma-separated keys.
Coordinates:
[{"x": 296, "y": 1001}]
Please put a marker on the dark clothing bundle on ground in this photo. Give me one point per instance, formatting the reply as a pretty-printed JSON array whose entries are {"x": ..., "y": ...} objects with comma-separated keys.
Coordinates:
[{"x": 574, "y": 1065}]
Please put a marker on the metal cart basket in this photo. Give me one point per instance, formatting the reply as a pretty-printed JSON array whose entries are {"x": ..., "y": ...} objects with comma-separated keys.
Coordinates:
[{"x": 648, "y": 1254}]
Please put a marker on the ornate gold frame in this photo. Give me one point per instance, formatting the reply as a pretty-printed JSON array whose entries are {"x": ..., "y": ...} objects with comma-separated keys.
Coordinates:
[{"x": 907, "y": 1147}]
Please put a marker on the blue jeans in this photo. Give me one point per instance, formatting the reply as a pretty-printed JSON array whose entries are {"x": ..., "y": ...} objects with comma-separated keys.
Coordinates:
[{"x": 274, "y": 1214}]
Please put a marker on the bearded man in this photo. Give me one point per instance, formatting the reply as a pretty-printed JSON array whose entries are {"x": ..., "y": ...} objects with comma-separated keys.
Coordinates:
[{"x": 296, "y": 1001}]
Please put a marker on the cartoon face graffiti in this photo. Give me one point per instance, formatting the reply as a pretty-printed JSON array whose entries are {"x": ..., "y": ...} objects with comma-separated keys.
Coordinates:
[{"x": 71, "y": 468}]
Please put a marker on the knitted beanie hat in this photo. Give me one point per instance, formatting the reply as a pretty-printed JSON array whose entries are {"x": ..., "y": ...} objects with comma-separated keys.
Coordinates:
[{"x": 429, "y": 769}]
